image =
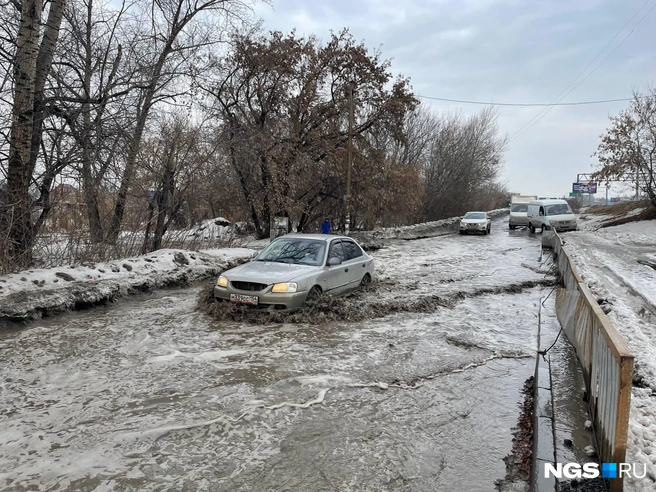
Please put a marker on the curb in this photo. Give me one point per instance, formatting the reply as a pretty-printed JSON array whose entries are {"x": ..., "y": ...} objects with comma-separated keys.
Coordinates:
[{"x": 544, "y": 435}]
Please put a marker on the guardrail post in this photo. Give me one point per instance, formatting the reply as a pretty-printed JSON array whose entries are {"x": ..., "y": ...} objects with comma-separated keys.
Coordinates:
[{"x": 623, "y": 410}]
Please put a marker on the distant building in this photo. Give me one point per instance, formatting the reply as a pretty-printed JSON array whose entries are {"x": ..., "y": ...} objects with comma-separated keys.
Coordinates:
[{"x": 67, "y": 211}]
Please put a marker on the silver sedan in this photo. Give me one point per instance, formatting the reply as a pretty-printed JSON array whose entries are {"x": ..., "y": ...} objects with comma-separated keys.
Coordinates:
[{"x": 296, "y": 267}]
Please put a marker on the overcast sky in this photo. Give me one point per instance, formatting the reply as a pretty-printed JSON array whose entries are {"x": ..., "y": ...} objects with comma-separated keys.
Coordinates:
[{"x": 511, "y": 51}]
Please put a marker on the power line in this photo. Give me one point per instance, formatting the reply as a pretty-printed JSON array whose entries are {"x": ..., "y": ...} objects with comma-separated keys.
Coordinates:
[
  {"x": 579, "y": 103},
  {"x": 533, "y": 121}
]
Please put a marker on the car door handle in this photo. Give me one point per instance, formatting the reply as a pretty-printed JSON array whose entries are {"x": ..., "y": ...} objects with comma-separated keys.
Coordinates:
[{"x": 346, "y": 269}]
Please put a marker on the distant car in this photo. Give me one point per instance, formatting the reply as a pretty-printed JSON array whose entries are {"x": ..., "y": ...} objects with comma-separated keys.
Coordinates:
[
  {"x": 518, "y": 210},
  {"x": 518, "y": 216},
  {"x": 296, "y": 267},
  {"x": 475, "y": 222}
]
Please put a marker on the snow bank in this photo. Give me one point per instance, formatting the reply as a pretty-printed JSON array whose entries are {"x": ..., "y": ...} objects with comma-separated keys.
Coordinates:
[
  {"x": 32, "y": 294},
  {"x": 616, "y": 262},
  {"x": 373, "y": 239},
  {"x": 216, "y": 228}
]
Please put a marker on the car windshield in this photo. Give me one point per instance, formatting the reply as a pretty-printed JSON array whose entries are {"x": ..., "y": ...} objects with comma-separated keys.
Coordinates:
[
  {"x": 474, "y": 215},
  {"x": 521, "y": 207},
  {"x": 559, "y": 209},
  {"x": 299, "y": 251}
]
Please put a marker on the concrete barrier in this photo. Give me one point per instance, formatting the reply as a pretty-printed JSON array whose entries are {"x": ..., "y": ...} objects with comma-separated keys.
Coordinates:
[{"x": 604, "y": 356}]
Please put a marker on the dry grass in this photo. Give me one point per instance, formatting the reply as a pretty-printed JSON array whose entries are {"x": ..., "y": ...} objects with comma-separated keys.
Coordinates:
[{"x": 622, "y": 208}]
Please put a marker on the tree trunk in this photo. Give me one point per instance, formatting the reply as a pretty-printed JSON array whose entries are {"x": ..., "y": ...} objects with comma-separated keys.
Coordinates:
[
  {"x": 89, "y": 183},
  {"x": 151, "y": 211},
  {"x": 164, "y": 201},
  {"x": 42, "y": 69},
  {"x": 19, "y": 221},
  {"x": 176, "y": 25}
]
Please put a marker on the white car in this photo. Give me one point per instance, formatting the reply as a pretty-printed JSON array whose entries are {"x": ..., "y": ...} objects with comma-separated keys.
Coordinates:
[{"x": 478, "y": 222}]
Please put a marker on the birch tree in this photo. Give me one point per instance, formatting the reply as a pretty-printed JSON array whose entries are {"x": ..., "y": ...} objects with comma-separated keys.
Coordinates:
[{"x": 35, "y": 45}]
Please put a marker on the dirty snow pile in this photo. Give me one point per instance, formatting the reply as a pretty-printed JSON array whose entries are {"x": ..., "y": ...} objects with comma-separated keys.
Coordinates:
[
  {"x": 619, "y": 265},
  {"x": 218, "y": 227},
  {"x": 31, "y": 294}
]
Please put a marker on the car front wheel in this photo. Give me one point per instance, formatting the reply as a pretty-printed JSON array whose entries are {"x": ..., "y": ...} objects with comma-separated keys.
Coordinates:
[
  {"x": 314, "y": 294},
  {"x": 531, "y": 228}
]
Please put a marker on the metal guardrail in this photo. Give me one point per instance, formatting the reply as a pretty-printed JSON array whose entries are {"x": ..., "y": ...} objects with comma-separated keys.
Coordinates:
[{"x": 605, "y": 358}]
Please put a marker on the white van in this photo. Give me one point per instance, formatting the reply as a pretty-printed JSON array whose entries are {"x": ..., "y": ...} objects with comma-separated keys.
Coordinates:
[
  {"x": 519, "y": 209},
  {"x": 547, "y": 214}
]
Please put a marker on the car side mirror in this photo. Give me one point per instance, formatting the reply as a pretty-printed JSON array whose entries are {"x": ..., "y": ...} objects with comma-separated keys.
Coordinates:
[
  {"x": 334, "y": 261},
  {"x": 255, "y": 255}
]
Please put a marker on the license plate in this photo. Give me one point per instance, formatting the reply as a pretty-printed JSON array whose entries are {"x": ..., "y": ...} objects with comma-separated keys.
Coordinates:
[{"x": 242, "y": 299}]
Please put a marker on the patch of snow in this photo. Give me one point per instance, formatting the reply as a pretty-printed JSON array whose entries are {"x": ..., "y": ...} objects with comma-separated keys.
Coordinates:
[
  {"x": 219, "y": 227},
  {"x": 31, "y": 293},
  {"x": 607, "y": 260},
  {"x": 229, "y": 253}
]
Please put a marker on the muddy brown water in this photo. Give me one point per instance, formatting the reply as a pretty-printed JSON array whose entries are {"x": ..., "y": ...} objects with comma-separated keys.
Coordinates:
[{"x": 152, "y": 393}]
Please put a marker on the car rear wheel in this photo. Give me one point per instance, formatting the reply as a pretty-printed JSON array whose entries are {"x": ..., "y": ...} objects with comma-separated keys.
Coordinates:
[
  {"x": 512, "y": 227},
  {"x": 366, "y": 280},
  {"x": 531, "y": 228}
]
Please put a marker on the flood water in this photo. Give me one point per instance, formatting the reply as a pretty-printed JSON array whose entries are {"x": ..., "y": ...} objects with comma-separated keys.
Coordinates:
[{"x": 153, "y": 394}]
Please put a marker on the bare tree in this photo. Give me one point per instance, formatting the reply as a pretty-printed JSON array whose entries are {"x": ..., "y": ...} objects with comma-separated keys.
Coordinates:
[
  {"x": 171, "y": 51},
  {"x": 91, "y": 94},
  {"x": 464, "y": 158},
  {"x": 171, "y": 162},
  {"x": 628, "y": 148}
]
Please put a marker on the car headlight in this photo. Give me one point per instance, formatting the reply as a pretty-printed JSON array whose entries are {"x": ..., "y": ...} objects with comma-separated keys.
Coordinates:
[
  {"x": 286, "y": 287},
  {"x": 222, "y": 282}
]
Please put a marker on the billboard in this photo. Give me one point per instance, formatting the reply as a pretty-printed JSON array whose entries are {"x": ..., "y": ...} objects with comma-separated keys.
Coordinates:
[{"x": 584, "y": 188}]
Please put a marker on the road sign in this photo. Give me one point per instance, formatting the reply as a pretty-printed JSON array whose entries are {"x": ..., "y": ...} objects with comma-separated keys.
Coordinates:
[{"x": 577, "y": 195}]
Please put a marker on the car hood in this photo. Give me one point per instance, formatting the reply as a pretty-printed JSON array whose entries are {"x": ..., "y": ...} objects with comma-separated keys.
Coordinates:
[
  {"x": 267, "y": 272},
  {"x": 473, "y": 221},
  {"x": 519, "y": 214}
]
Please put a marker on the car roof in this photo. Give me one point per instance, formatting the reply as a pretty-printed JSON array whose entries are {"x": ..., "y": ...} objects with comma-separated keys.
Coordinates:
[
  {"x": 320, "y": 237},
  {"x": 475, "y": 212},
  {"x": 551, "y": 201}
]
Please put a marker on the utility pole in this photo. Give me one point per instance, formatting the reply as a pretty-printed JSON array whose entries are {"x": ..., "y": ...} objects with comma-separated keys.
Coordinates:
[{"x": 347, "y": 198}]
